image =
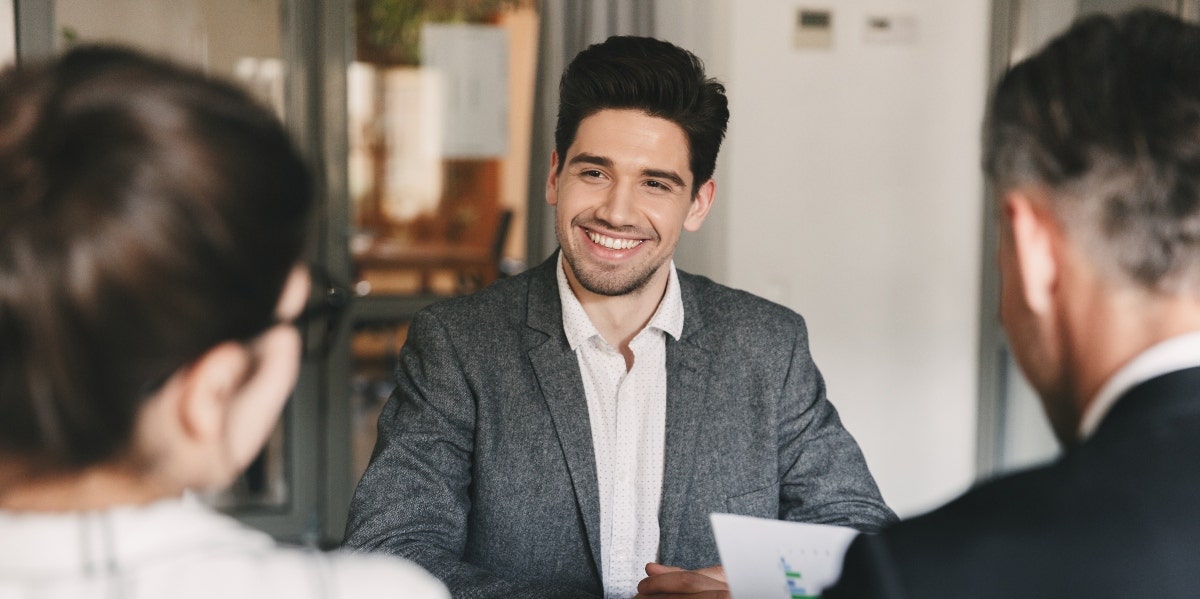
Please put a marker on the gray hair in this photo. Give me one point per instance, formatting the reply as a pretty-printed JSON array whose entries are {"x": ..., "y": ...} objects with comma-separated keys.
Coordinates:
[{"x": 1107, "y": 119}]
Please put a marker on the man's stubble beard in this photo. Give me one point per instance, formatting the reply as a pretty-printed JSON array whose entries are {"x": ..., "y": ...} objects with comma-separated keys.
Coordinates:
[{"x": 611, "y": 284}]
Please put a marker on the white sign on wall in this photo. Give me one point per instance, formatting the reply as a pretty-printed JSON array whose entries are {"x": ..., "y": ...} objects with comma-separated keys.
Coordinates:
[{"x": 472, "y": 61}]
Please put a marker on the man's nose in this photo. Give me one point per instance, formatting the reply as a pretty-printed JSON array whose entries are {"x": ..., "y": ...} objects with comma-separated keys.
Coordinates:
[{"x": 617, "y": 209}]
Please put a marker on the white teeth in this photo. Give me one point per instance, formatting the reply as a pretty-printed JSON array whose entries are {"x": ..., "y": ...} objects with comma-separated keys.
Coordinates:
[{"x": 613, "y": 244}]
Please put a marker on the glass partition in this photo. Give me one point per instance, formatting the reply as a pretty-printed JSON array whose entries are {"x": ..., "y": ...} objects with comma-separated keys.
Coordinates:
[{"x": 439, "y": 99}]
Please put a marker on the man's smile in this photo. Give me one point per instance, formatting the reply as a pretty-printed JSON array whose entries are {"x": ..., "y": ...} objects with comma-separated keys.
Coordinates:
[{"x": 612, "y": 243}]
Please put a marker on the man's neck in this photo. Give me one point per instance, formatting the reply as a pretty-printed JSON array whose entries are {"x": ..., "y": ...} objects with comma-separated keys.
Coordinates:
[
  {"x": 1120, "y": 328},
  {"x": 620, "y": 318}
]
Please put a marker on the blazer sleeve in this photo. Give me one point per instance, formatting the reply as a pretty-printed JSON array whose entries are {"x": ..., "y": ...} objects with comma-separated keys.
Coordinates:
[
  {"x": 414, "y": 498},
  {"x": 823, "y": 475}
]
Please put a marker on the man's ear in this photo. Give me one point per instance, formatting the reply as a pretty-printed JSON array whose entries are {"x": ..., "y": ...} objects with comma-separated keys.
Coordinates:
[
  {"x": 700, "y": 206},
  {"x": 552, "y": 180},
  {"x": 1034, "y": 234}
]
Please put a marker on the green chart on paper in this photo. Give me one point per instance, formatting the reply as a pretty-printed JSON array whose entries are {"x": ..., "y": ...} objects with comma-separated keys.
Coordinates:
[{"x": 795, "y": 584}]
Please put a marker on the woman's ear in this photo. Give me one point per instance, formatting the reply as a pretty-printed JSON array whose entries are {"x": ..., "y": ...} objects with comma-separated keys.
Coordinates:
[
  {"x": 196, "y": 456},
  {"x": 215, "y": 414},
  {"x": 261, "y": 395},
  {"x": 209, "y": 387}
]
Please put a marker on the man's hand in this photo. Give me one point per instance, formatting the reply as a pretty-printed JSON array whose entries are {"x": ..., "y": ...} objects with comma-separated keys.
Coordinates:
[{"x": 667, "y": 582}]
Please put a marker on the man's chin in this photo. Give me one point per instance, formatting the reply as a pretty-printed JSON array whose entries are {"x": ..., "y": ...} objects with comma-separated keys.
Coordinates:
[
  {"x": 613, "y": 288},
  {"x": 616, "y": 283}
]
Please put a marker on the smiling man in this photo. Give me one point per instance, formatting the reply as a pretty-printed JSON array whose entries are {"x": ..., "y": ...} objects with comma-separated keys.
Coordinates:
[{"x": 555, "y": 432}]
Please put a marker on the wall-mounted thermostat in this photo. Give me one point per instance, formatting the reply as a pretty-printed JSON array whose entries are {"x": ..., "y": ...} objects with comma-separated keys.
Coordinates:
[{"x": 814, "y": 28}]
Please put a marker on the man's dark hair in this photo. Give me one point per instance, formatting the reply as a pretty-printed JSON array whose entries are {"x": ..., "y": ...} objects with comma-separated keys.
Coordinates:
[
  {"x": 147, "y": 214},
  {"x": 655, "y": 77},
  {"x": 1106, "y": 119}
]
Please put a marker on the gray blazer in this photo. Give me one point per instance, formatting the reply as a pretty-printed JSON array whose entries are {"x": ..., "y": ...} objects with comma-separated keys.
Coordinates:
[{"x": 484, "y": 471}]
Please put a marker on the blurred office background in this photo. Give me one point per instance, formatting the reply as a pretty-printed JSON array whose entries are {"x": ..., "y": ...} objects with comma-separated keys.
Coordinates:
[{"x": 848, "y": 189}]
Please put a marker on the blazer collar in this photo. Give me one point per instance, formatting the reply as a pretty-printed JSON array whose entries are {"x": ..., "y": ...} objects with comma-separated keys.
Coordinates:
[
  {"x": 689, "y": 404},
  {"x": 558, "y": 377},
  {"x": 695, "y": 312},
  {"x": 545, "y": 311},
  {"x": 1161, "y": 399},
  {"x": 1177, "y": 353}
]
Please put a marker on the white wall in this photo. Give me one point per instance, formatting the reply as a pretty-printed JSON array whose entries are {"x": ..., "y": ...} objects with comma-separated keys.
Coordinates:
[{"x": 854, "y": 196}]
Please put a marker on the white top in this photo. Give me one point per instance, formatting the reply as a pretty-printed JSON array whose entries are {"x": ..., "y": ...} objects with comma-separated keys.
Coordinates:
[
  {"x": 181, "y": 549},
  {"x": 1176, "y": 353},
  {"x": 628, "y": 412}
]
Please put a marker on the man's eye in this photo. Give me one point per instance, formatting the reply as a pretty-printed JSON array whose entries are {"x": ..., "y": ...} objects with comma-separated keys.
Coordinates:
[
  {"x": 658, "y": 185},
  {"x": 592, "y": 173}
]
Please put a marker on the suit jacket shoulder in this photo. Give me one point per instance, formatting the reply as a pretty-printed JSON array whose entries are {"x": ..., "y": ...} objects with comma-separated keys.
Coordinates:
[
  {"x": 503, "y": 301},
  {"x": 715, "y": 304},
  {"x": 1117, "y": 516},
  {"x": 736, "y": 326}
]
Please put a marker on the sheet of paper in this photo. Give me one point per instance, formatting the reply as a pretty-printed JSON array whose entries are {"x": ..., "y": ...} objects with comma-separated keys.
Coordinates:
[{"x": 773, "y": 559}]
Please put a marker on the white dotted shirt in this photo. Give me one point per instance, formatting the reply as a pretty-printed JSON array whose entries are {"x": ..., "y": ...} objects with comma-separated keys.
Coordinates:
[{"x": 628, "y": 412}]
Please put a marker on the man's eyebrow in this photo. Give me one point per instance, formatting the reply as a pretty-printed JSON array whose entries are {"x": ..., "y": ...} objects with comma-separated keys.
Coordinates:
[{"x": 591, "y": 159}]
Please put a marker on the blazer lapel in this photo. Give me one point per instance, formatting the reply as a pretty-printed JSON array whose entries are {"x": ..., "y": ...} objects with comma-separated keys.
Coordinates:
[
  {"x": 688, "y": 373},
  {"x": 557, "y": 371}
]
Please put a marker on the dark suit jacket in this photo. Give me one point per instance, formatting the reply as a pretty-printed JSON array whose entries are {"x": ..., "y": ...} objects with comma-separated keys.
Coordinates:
[
  {"x": 484, "y": 471},
  {"x": 1118, "y": 516}
]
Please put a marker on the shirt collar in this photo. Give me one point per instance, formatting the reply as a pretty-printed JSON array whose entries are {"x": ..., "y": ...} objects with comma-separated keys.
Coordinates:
[
  {"x": 579, "y": 328},
  {"x": 1173, "y": 354}
]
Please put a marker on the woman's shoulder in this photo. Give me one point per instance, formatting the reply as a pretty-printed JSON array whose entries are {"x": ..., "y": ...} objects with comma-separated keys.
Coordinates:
[
  {"x": 185, "y": 550},
  {"x": 277, "y": 570},
  {"x": 195, "y": 551},
  {"x": 378, "y": 575}
]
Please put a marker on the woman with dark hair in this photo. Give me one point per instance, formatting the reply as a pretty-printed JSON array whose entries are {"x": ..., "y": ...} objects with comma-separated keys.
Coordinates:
[{"x": 151, "y": 225}]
